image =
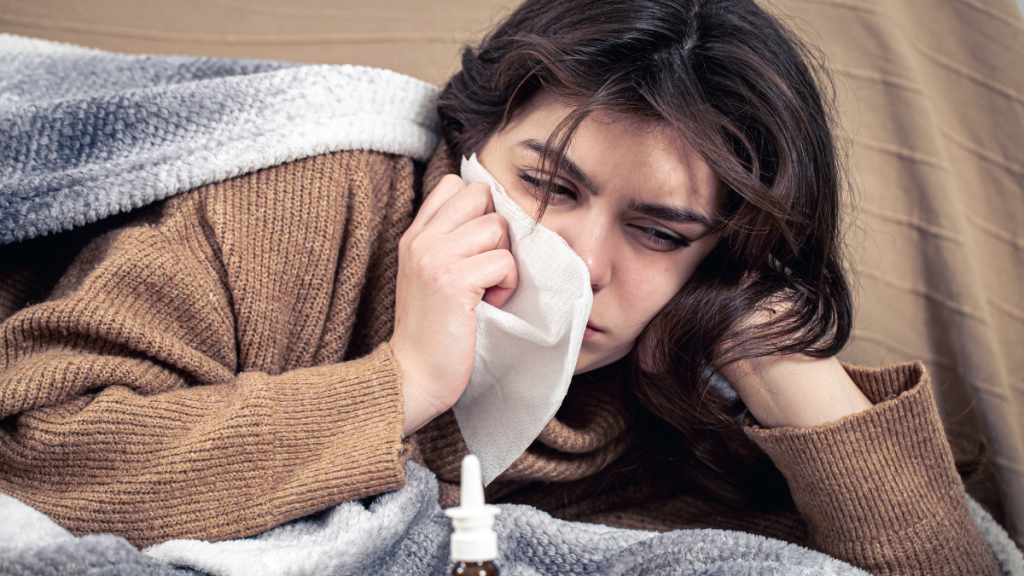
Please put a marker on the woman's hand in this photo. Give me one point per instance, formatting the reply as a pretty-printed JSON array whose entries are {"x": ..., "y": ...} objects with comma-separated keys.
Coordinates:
[
  {"x": 795, "y": 390},
  {"x": 455, "y": 253}
]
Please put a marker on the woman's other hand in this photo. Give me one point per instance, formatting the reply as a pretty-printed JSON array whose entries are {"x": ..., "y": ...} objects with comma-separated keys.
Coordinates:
[
  {"x": 795, "y": 390},
  {"x": 455, "y": 253}
]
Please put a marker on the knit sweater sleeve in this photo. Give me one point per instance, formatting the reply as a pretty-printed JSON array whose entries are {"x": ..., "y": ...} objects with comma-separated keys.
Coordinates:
[
  {"x": 207, "y": 372},
  {"x": 879, "y": 488}
]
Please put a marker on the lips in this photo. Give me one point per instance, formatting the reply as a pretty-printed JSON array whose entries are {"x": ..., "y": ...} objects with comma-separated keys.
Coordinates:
[{"x": 591, "y": 331}]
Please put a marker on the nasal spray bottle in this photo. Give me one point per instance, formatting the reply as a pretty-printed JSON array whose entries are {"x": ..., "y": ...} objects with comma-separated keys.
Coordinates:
[{"x": 474, "y": 543}]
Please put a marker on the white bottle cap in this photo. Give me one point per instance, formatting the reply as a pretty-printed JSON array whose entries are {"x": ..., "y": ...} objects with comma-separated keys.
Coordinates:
[{"x": 474, "y": 539}]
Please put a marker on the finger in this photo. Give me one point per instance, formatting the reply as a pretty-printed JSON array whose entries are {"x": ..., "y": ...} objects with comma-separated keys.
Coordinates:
[
  {"x": 465, "y": 205},
  {"x": 481, "y": 234},
  {"x": 497, "y": 296},
  {"x": 450, "y": 185},
  {"x": 494, "y": 273},
  {"x": 505, "y": 242}
]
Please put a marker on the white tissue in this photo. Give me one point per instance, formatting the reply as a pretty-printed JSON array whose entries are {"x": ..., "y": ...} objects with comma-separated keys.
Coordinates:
[{"x": 526, "y": 351}]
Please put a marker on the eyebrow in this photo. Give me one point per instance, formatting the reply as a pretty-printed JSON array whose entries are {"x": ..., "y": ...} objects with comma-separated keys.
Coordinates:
[
  {"x": 568, "y": 167},
  {"x": 656, "y": 211},
  {"x": 669, "y": 214}
]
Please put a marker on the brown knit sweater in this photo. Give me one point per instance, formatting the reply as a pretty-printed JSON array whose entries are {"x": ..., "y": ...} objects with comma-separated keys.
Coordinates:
[{"x": 218, "y": 365}]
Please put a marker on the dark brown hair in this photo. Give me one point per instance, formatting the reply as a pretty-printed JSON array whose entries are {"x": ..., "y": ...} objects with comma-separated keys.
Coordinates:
[{"x": 745, "y": 93}]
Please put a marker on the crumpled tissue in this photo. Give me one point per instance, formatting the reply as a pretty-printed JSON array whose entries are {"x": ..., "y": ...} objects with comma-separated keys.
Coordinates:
[{"x": 526, "y": 351}]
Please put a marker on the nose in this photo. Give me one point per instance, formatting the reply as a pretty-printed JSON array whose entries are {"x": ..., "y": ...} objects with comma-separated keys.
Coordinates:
[{"x": 590, "y": 240}]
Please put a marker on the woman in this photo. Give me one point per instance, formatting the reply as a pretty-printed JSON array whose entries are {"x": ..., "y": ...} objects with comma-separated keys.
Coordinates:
[{"x": 268, "y": 346}]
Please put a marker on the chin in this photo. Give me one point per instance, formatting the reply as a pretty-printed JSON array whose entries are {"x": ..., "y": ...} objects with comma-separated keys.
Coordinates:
[
  {"x": 581, "y": 369},
  {"x": 585, "y": 362},
  {"x": 588, "y": 361}
]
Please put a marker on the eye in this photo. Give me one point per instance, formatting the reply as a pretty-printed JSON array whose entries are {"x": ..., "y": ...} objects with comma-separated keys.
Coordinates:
[
  {"x": 659, "y": 239},
  {"x": 559, "y": 192}
]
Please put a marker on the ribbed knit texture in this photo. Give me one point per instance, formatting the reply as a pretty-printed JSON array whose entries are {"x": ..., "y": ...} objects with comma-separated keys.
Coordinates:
[
  {"x": 194, "y": 374},
  {"x": 217, "y": 367},
  {"x": 880, "y": 488}
]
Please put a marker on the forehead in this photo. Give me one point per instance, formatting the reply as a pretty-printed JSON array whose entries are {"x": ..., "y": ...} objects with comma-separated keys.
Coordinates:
[{"x": 643, "y": 159}]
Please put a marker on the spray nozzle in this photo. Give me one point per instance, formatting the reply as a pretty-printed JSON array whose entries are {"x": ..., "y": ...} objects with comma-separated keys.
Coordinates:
[{"x": 474, "y": 539}]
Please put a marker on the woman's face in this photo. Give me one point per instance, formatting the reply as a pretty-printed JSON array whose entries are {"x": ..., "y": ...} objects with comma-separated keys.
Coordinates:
[{"x": 634, "y": 201}]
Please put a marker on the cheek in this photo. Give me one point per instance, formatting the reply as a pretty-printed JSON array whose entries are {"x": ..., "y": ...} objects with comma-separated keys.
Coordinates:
[{"x": 648, "y": 287}]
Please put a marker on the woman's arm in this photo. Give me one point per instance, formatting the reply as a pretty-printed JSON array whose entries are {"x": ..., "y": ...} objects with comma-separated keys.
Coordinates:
[
  {"x": 190, "y": 375},
  {"x": 795, "y": 390},
  {"x": 876, "y": 484}
]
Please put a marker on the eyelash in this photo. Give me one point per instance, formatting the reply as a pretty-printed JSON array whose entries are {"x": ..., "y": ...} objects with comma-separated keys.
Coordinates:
[
  {"x": 666, "y": 240},
  {"x": 539, "y": 186},
  {"x": 659, "y": 237}
]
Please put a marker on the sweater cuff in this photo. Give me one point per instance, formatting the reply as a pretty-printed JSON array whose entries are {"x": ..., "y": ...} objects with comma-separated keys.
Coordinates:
[
  {"x": 352, "y": 414},
  {"x": 879, "y": 488},
  {"x": 882, "y": 384}
]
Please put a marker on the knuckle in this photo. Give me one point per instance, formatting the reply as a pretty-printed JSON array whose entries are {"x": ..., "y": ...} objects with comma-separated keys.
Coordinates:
[
  {"x": 479, "y": 192},
  {"x": 497, "y": 227},
  {"x": 411, "y": 249},
  {"x": 443, "y": 279},
  {"x": 418, "y": 247},
  {"x": 449, "y": 184},
  {"x": 436, "y": 285},
  {"x": 427, "y": 265},
  {"x": 404, "y": 241},
  {"x": 499, "y": 221},
  {"x": 507, "y": 259},
  {"x": 451, "y": 180}
]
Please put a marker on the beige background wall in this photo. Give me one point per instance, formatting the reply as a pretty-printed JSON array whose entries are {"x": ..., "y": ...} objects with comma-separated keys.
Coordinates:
[{"x": 420, "y": 38}]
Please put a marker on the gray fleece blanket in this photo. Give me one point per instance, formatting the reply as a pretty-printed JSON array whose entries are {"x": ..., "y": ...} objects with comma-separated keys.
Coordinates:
[
  {"x": 86, "y": 134},
  {"x": 403, "y": 532}
]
